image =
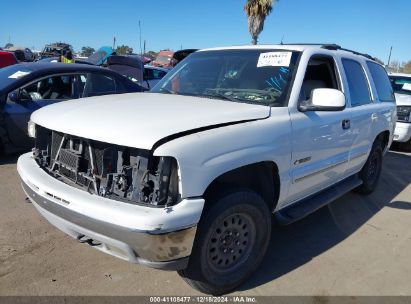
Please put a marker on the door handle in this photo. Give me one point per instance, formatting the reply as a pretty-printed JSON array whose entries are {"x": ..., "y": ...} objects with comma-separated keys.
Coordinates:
[{"x": 346, "y": 124}]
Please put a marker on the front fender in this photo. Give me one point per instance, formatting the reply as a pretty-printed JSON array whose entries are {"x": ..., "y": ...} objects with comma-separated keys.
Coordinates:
[{"x": 204, "y": 156}]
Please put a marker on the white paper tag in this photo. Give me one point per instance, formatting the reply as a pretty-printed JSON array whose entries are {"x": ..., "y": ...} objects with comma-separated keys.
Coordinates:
[
  {"x": 274, "y": 59},
  {"x": 19, "y": 74},
  {"x": 407, "y": 86}
]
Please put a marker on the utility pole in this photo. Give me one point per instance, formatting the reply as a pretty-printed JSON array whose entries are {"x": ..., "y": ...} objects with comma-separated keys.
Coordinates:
[
  {"x": 114, "y": 43},
  {"x": 389, "y": 57},
  {"x": 139, "y": 26}
]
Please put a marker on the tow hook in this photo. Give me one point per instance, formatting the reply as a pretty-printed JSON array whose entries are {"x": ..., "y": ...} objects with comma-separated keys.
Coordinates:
[{"x": 84, "y": 239}]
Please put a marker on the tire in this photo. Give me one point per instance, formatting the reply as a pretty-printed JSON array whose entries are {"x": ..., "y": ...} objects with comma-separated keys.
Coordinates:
[
  {"x": 370, "y": 173},
  {"x": 231, "y": 241}
]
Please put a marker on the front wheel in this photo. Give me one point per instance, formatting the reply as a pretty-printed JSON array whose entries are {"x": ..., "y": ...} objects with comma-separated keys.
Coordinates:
[
  {"x": 370, "y": 173},
  {"x": 231, "y": 241}
]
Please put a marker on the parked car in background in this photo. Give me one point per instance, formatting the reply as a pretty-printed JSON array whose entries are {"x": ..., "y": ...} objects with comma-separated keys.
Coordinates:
[
  {"x": 132, "y": 67},
  {"x": 152, "y": 75},
  {"x": 190, "y": 176},
  {"x": 100, "y": 56},
  {"x": 401, "y": 84},
  {"x": 25, "y": 88},
  {"x": 180, "y": 55},
  {"x": 55, "y": 50},
  {"x": 6, "y": 59},
  {"x": 22, "y": 53},
  {"x": 164, "y": 59}
]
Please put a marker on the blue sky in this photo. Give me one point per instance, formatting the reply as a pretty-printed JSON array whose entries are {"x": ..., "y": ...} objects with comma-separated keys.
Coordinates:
[{"x": 369, "y": 26}]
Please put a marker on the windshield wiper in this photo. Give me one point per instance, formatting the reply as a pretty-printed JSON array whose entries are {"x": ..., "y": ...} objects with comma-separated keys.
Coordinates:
[
  {"x": 221, "y": 96},
  {"x": 168, "y": 91},
  {"x": 212, "y": 93}
]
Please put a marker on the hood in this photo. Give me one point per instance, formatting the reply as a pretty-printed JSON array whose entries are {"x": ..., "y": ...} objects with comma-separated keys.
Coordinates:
[
  {"x": 403, "y": 99},
  {"x": 142, "y": 119}
]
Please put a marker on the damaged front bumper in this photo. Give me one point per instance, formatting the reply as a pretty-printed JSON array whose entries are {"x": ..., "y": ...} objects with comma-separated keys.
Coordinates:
[{"x": 157, "y": 237}]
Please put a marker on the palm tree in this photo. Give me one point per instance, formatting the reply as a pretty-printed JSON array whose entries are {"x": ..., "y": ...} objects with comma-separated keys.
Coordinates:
[{"x": 257, "y": 11}]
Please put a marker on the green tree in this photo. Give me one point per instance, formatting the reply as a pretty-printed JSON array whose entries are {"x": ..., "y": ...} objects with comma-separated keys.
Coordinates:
[
  {"x": 257, "y": 11},
  {"x": 124, "y": 50},
  {"x": 86, "y": 51}
]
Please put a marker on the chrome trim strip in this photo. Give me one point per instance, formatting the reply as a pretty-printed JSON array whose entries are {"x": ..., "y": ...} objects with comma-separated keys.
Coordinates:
[
  {"x": 320, "y": 171},
  {"x": 359, "y": 155}
]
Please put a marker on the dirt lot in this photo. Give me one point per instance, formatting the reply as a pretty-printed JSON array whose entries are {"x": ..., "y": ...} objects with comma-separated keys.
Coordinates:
[{"x": 356, "y": 246}]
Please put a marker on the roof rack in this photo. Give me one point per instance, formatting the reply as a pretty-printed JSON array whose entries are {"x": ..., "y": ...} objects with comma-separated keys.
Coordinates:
[
  {"x": 336, "y": 47},
  {"x": 302, "y": 43},
  {"x": 333, "y": 47}
]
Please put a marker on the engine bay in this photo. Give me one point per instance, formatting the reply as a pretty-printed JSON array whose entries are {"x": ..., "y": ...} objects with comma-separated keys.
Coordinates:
[{"x": 122, "y": 173}]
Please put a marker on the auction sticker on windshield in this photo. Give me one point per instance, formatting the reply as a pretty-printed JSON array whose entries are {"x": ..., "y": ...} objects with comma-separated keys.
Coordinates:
[
  {"x": 19, "y": 74},
  {"x": 281, "y": 59}
]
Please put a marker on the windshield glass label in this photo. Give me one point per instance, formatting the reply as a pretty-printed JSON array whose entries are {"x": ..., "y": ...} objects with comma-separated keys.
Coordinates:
[
  {"x": 19, "y": 74},
  {"x": 280, "y": 59}
]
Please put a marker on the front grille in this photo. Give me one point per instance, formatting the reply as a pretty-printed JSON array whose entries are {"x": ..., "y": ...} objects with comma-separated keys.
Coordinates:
[
  {"x": 402, "y": 117},
  {"x": 403, "y": 113}
]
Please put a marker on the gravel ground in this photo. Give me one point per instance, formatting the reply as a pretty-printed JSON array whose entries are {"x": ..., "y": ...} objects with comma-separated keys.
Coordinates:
[{"x": 355, "y": 246}]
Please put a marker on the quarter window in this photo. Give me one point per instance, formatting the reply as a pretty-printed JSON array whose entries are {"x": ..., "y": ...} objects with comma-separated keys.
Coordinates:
[
  {"x": 357, "y": 83},
  {"x": 381, "y": 81}
]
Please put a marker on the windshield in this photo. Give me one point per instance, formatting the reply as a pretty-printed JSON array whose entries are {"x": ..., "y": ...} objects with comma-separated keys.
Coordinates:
[
  {"x": 401, "y": 84},
  {"x": 252, "y": 76},
  {"x": 10, "y": 74}
]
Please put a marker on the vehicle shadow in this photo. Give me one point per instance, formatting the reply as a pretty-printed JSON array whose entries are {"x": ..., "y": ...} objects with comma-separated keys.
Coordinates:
[
  {"x": 8, "y": 159},
  {"x": 294, "y": 245}
]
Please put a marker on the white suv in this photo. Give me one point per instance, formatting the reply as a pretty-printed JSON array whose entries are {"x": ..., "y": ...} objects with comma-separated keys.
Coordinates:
[
  {"x": 190, "y": 176},
  {"x": 401, "y": 84}
]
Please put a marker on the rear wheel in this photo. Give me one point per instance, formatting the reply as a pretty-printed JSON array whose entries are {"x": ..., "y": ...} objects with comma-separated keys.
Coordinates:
[
  {"x": 370, "y": 173},
  {"x": 231, "y": 241}
]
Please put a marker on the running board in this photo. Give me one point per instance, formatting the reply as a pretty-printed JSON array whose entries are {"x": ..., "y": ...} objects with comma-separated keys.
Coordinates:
[{"x": 308, "y": 205}]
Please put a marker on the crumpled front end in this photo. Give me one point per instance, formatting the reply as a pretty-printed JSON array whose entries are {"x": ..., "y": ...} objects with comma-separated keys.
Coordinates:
[{"x": 120, "y": 200}]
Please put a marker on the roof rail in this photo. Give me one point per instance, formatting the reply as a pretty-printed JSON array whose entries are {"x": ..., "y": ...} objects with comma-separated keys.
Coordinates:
[
  {"x": 333, "y": 47},
  {"x": 336, "y": 47},
  {"x": 302, "y": 43}
]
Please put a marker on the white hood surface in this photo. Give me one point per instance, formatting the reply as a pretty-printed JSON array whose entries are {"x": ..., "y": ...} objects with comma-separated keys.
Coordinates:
[
  {"x": 139, "y": 120},
  {"x": 403, "y": 100}
]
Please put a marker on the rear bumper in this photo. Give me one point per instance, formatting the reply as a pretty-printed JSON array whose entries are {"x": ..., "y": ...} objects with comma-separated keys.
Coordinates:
[
  {"x": 156, "y": 237},
  {"x": 402, "y": 132}
]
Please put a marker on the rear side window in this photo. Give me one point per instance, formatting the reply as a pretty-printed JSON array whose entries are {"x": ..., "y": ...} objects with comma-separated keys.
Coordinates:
[
  {"x": 381, "y": 81},
  {"x": 357, "y": 83},
  {"x": 92, "y": 84}
]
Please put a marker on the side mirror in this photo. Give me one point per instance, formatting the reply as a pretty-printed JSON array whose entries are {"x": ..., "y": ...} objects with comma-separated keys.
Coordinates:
[
  {"x": 324, "y": 100},
  {"x": 13, "y": 96}
]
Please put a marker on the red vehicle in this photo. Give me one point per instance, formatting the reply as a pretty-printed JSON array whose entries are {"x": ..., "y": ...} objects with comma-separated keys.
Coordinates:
[
  {"x": 6, "y": 59},
  {"x": 164, "y": 59}
]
